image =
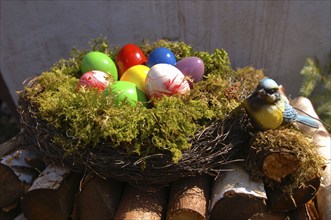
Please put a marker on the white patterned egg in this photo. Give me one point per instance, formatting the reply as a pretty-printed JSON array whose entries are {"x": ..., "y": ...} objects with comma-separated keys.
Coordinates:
[{"x": 165, "y": 79}]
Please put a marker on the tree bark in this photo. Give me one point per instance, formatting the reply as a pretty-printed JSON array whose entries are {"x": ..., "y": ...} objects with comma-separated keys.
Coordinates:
[
  {"x": 188, "y": 198},
  {"x": 52, "y": 195},
  {"x": 235, "y": 196},
  {"x": 139, "y": 205},
  {"x": 97, "y": 199}
]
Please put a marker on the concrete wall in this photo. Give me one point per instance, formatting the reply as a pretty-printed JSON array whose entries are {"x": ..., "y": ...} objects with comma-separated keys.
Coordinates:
[{"x": 273, "y": 35}]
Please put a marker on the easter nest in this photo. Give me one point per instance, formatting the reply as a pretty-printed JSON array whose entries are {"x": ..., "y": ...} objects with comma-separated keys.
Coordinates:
[{"x": 196, "y": 133}]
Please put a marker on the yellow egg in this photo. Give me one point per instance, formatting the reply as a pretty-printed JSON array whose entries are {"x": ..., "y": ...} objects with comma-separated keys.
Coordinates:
[{"x": 136, "y": 74}]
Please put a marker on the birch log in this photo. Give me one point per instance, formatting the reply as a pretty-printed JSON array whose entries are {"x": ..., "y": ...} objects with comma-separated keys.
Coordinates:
[
  {"x": 188, "y": 198},
  {"x": 16, "y": 175},
  {"x": 235, "y": 196},
  {"x": 140, "y": 205},
  {"x": 52, "y": 195},
  {"x": 97, "y": 199},
  {"x": 323, "y": 139}
]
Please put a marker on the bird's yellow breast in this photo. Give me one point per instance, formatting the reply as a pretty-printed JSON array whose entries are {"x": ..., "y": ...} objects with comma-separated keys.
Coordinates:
[{"x": 269, "y": 116}]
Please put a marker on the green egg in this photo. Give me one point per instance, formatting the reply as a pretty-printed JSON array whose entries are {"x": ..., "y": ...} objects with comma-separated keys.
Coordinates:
[
  {"x": 95, "y": 60},
  {"x": 128, "y": 90}
]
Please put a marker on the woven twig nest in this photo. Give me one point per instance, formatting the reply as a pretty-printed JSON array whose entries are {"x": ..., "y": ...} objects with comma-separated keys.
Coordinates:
[{"x": 217, "y": 132}]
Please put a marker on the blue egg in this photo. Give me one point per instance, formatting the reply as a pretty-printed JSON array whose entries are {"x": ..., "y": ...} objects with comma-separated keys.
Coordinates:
[{"x": 161, "y": 55}]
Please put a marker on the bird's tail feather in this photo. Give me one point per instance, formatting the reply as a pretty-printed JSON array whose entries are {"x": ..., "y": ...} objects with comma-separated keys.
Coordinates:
[{"x": 307, "y": 121}]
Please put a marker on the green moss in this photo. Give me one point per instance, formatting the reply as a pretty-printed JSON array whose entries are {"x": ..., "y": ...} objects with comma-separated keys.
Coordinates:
[{"x": 84, "y": 118}]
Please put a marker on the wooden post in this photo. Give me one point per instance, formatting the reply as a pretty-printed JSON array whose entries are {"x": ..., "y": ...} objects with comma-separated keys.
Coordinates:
[
  {"x": 140, "y": 205},
  {"x": 235, "y": 196},
  {"x": 97, "y": 199},
  {"x": 16, "y": 176},
  {"x": 322, "y": 137},
  {"x": 52, "y": 195},
  {"x": 188, "y": 198}
]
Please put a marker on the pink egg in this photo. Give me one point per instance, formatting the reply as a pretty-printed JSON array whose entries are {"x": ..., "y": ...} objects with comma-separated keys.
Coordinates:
[
  {"x": 94, "y": 79},
  {"x": 165, "y": 79},
  {"x": 192, "y": 67}
]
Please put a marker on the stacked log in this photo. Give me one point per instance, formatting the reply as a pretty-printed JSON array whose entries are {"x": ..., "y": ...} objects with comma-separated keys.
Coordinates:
[
  {"x": 234, "y": 190},
  {"x": 279, "y": 200},
  {"x": 97, "y": 198},
  {"x": 189, "y": 198},
  {"x": 51, "y": 195},
  {"x": 16, "y": 176},
  {"x": 139, "y": 204}
]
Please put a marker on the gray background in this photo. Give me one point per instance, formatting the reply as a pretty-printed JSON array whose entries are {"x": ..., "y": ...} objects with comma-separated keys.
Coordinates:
[{"x": 275, "y": 36}]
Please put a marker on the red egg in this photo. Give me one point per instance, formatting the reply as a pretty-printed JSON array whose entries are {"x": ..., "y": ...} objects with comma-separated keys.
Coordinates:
[
  {"x": 128, "y": 56},
  {"x": 94, "y": 79}
]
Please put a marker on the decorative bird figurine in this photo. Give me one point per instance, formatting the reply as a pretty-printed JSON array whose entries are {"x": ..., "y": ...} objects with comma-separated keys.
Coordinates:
[{"x": 269, "y": 109}]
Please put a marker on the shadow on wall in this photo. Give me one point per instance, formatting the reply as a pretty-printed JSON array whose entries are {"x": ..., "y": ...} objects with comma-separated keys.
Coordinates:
[{"x": 9, "y": 125}]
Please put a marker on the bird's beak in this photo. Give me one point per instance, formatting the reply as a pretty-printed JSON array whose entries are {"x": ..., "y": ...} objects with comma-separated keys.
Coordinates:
[
  {"x": 269, "y": 98},
  {"x": 277, "y": 96}
]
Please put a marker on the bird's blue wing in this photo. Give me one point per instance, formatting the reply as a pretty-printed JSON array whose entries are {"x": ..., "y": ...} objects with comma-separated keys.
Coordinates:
[{"x": 289, "y": 114}]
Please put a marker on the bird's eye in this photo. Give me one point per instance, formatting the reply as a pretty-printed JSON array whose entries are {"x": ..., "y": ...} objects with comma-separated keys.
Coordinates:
[{"x": 271, "y": 91}]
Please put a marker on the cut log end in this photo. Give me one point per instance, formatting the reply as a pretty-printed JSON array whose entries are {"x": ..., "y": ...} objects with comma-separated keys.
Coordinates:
[
  {"x": 138, "y": 204},
  {"x": 52, "y": 195},
  {"x": 186, "y": 214},
  {"x": 276, "y": 166},
  {"x": 98, "y": 198},
  {"x": 233, "y": 199},
  {"x": 188, "y": 198},
  {"x": 11, "y": 187}
]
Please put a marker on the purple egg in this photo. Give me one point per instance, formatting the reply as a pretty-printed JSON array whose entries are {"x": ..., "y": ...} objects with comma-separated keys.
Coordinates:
[{"x": 192, "y": 67}]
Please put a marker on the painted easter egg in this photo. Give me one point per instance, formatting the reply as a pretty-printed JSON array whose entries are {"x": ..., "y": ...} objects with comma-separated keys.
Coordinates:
[
  {"x": 94, "y": 79},
  {"x": 161, "y": 55},
  {"x": 136, "y": 74},
  {"x": 165, "y": 79},
  {"x": 127, "y": 90},
  {"x": 96, "y": 60},
  {"x": 129, "y": 55},
  {"x": 193, "y": 67}
]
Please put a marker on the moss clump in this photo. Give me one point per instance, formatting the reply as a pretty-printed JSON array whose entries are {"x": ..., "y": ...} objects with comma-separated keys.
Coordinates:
[
  {"x": 82, "y": 119},
  {"x": 217, "y": 63},
  {"x": 290, "y": 140}
]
